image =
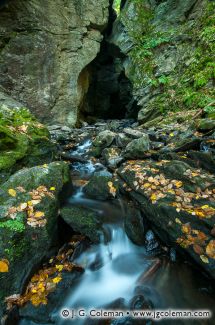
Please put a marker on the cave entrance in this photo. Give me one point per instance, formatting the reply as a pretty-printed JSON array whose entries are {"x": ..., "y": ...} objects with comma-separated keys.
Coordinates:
[{"x": 109, "y": 94}]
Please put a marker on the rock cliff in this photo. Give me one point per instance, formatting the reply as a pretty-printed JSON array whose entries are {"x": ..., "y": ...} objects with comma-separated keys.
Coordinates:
[
  {"x": 44, "y": 49},
  {"x": 168, "y": 49}
]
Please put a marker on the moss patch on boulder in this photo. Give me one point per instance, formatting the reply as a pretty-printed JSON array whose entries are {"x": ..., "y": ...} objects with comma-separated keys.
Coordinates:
[{"x": 23, "y": 141}]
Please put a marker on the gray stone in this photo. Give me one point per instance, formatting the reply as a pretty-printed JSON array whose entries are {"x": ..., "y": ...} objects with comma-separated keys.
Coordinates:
[
  {"x": 122, "y": 140},
  {"x": 112, "y": 157},
  {"x": 135, "y": 134},
  {"x": 54, "y": 127},
  {"x": 104, "y": 139},
  {"x": 137, "y": 148},
  {"x": 45, "y": 48},
  {"x": 134, "y": 226},
  {"x": 66, "y": 129}
]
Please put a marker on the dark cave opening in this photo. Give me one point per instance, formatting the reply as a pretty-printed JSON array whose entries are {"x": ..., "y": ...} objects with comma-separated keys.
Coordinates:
[
  {"x": 109, "y": 94},
  {"x": 109, "y": 91}
]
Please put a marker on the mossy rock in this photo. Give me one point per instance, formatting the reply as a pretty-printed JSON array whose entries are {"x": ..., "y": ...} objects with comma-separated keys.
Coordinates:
[
  {"x": 23, "y": 141},
  {"x": 177, "y": 225},
  {"x": 83, "y": 221},
  {"x": 137, "y": 148},
  {"x": 100, "y": 187},
  {"x": 22, "y": 245},
  {"x": 206, "y": 124}
]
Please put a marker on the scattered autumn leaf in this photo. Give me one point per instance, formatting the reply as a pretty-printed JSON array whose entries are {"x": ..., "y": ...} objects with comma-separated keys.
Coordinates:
[
  {"x": 12, "y": 192},
  {"x": 204, "y": 259},
  {"x": 39, "y": 214},
  {"x": 198, "y": 249},
  {"x": 4, "y": 266},
  {"x": 210, "y": 249}
]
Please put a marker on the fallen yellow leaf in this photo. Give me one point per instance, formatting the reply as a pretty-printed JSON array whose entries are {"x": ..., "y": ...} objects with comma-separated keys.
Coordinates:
[
  {"x": 39, "y": 214},
  {"x": 12, "y": 192},
  {"x": 178, "y": 184},
  {"x": 57, "y": 279},
  {"x": 59, "y": 267},
  {"x": 4, "y": 266},
  {"x": 204, "y": 259},
  {"x": 153, "y": 197},
  {"x": 205, "y": 206}
]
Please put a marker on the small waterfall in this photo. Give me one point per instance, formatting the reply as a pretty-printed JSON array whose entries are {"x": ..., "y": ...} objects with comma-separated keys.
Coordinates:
[
  {"x": 112, "y": 271},
  {"x": 118, "y": 273}
]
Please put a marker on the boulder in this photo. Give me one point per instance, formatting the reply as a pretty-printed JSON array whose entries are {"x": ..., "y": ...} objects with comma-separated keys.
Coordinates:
[
  {"x": 122, "y": 140},
  {"x": 83, "y": 221},
  {"x": 134, "y": 226},
  {"x": 137, "y": 148},
  {"x": 112, "y": 157},
  {"x": 101, "y": 187},
  {"x": 206, "y": 124},
  {"x": 179, "y": 201},
  {"x": 104, "y": 139},
  {"x": 134, "y": 134},
  {"x": 28, "y": 222},
  {"x": 23, "y": 140}
]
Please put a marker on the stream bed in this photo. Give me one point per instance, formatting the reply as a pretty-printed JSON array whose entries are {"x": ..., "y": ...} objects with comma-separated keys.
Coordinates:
[{"x": 120, "y": 275}]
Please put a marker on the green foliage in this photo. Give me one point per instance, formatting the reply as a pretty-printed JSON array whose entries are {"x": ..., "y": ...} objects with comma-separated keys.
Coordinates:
[
  {"x": 13, "y": 225},
  {"x": 209, "y": 108},
  {"x": 191, "y": 84},
  {"x": 116, "y": 6},
  {"x": 164, "y": 80}
]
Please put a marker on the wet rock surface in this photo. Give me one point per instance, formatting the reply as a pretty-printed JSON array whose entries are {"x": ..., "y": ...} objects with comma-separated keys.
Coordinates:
[
  {"x": 82, "y": 221},
  {"x": 172, "y": 184},
  {"x": 28, "y": 222}
]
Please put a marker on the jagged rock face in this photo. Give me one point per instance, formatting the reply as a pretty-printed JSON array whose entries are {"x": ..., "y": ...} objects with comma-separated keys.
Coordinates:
[
  {"x": 169, "y": 54},
  {"x": 44, "y": 49}
]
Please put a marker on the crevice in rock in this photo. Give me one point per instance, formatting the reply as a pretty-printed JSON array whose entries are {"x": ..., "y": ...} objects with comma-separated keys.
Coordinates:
[{"x": 109, "y": 91}]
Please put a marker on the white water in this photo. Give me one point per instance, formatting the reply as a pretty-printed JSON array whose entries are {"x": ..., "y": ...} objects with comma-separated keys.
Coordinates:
[
  {"x": 83, "y": 148},
  {"x": 114, "y": 268},
  {"x": 119, "y": 265}
]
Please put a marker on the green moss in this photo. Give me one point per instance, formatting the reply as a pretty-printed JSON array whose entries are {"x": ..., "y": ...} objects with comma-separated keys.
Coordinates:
[
  {"x": 13, "y": 225},
  {"x": 23, "y": 141},
  {"x": 190, "y": 85}
]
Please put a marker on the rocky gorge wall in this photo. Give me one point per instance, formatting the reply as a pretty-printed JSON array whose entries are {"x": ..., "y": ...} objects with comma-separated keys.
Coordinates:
[
  {"x": 156, "y": 57},
  {"x": 168, "y": 49},
  {"x": 44, "y": 48}
]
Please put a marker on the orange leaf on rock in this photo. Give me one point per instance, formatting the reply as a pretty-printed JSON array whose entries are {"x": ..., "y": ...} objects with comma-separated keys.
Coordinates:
[
  {"x": 4, "y": 266},
  {"x": 213, "y": 232},
  {"x": 186, "y": 229},
  {"x": 198, "y": 249},
  {"x": 210, "y": 249}
]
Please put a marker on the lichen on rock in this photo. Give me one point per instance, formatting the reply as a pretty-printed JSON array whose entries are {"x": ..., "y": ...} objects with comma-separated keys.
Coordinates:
[{"x": 169, "y": 52}]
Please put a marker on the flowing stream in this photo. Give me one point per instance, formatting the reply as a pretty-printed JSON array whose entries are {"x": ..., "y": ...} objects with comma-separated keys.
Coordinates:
[
  {"x": 118, "y": 273},
  {"x": 122, "y": 276}
]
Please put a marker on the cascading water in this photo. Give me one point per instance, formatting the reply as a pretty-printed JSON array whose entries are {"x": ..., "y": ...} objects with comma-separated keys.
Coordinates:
[
  {"x": 122, "y": 276},
  {"x": 118, "y": 268},
  {"x": 117, "y": 271}
]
